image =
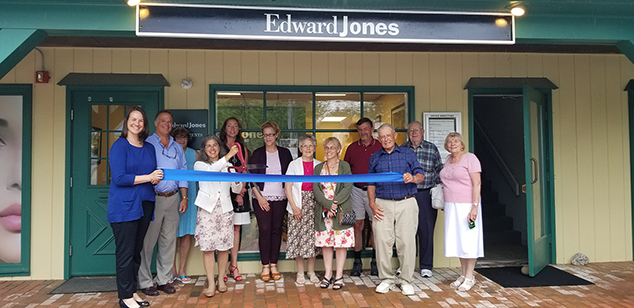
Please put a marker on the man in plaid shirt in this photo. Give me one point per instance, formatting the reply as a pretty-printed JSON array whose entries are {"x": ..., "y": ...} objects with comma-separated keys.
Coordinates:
[{"x": 429, "y": 158}]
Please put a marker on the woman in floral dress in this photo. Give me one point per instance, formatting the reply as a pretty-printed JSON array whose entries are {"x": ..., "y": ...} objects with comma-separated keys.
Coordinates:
[
  {"x": 301, "y": 211},
  {"x": 214, "y": 225},
  {"x": 332, "y": 198}
]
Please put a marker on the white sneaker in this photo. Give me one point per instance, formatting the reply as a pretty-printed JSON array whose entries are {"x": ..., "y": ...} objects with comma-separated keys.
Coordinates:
[
  {"x": 407, "y": 289},
  {"x": 426, "y": 273},
  {"x": 383, "y": 287}
]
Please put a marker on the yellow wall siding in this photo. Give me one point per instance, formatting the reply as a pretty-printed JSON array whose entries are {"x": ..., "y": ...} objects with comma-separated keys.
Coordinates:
[{"x": 590, "y": 122}]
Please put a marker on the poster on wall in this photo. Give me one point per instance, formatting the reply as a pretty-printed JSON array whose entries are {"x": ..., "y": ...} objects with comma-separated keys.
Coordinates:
[
  {"x": 14, "y": 200},
  {"x": 196, "y": 121},
  {"x": 438, "y": 125}
]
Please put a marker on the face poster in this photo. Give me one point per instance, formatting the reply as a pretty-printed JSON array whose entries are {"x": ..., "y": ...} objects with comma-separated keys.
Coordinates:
[{"x": 11, "y": 115}]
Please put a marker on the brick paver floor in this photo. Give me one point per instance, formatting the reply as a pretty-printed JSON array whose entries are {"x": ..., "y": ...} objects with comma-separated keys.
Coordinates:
[{"x": 613, "y": 287}]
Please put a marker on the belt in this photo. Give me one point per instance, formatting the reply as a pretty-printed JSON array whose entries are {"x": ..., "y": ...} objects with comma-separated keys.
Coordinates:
[
  {"x": 167, "y": 194},
  {"x": 364, "y": 188},
  {"x": 423, "y": 189},
  {"x": 401, "y": 199}
]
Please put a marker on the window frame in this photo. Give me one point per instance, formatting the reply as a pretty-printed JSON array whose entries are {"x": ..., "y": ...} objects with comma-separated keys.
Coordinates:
[{"x": 213, "y": 88}]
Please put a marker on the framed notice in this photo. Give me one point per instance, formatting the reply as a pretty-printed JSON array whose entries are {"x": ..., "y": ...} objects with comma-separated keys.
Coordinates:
[{"x": 438, "y": 125}]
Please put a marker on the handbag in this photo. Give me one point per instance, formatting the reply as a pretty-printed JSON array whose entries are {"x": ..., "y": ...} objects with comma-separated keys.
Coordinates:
[
  {"x": 437, "y": 197},
  {"x": 347, "y": 218}
]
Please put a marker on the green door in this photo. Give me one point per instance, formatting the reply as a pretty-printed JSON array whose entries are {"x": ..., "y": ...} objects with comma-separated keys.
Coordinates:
[
  {"x": 537, "y": 201},
  {"x": 97, "y": 119}
]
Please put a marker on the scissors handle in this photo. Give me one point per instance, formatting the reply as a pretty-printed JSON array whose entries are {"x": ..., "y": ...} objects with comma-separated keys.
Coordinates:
[{"x": 243, "y": 166}]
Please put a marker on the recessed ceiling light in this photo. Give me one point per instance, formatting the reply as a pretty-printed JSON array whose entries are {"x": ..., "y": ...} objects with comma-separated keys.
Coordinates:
[
  {"x": 133, "y": 2},
  {"x": 330, "y": 94},
  {"x": 229, "y": 93},
  {"x": 333, "y": 119}
]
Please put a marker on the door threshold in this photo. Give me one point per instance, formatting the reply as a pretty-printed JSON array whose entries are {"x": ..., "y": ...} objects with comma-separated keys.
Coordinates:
[{"x": 516, "y": 262}]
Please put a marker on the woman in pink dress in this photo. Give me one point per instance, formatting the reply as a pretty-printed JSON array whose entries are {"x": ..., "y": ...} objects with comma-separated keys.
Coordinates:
[
  {"x": 463, "y": 222},
  {"x": 333, "y": 198}
]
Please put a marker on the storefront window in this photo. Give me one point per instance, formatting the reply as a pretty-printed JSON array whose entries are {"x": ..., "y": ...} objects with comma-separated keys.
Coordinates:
[{"x": 319, "y": 111}]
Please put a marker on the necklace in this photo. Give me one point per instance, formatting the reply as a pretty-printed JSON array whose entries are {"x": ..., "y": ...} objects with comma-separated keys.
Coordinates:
[{"x": 452, "y": 166}]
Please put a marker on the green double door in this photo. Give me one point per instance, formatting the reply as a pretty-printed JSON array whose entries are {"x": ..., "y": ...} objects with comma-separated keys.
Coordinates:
[
  {"x": 97, "y": 120},
  {"x": 538, "y": 190}
]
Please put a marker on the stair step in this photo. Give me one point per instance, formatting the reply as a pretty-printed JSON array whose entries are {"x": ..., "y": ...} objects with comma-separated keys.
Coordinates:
[
  {"x": 493, "y": 209},
  {"x": 497, "y": 223},
  {"x": 508, "y": 237}
]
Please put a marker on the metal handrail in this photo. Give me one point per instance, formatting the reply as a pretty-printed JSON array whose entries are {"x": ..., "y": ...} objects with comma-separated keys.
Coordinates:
[{"x": 499, "y": 161}]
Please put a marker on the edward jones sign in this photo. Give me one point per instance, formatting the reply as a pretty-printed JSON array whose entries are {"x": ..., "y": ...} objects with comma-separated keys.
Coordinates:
[{"x": 261, "y": 23}]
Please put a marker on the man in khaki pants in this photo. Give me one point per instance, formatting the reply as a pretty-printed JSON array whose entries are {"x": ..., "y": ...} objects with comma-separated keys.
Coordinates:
[{"x": 395, "y": 210}]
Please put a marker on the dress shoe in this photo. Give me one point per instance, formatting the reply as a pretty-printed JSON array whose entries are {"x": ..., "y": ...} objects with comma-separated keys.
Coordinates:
[
  {"x": 374, "y": 271},
  {"x": 151, "y": 291},
  {"x": 167, "y": 288},
  {"x": 357, "y": 268},
  {"x": 143, "y": 303}
]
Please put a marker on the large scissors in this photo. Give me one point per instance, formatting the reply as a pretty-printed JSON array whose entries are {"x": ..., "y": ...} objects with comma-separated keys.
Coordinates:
[{"x": 244, "y": 168}]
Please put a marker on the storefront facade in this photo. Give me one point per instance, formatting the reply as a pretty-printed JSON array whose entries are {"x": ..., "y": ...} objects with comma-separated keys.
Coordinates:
[{"x": 586, "y": 113}]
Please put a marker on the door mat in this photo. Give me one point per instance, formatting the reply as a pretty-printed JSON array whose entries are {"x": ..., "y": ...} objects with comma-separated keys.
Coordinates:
[
  {"x": 512, "y": 277},
  {"x": 87, "y": 285}
]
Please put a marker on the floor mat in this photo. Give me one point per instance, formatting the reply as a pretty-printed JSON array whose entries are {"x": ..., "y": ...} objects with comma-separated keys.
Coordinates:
[
  {"x": 512, "y": 277},
  {"x": 87, "y": 285}
]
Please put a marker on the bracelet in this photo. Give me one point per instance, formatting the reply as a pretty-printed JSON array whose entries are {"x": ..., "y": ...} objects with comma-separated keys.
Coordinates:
[
  {"x": 185, "y": 198},
  {"x": 475, "y": 203}
]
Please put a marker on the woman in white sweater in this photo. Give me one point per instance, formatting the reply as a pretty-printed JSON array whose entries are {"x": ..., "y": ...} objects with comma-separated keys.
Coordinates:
[
  {"x": 301, "y": 211},
  {"x": 214, "y": 224}
]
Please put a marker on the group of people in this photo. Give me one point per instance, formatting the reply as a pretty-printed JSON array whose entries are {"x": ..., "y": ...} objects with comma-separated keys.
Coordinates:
[{"x": 144, "y": 210}]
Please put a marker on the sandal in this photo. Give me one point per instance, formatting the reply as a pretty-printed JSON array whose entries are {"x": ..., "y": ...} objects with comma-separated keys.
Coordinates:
[
  {"x": 266, "y": 273},
  {"x": 233, "y": 270},
  {"x": 338, "y": 284},
  {"x": 458, "y": 282},
  {"x": 467, "y": 284},
  {"x": 313, "y": 277},
  {"x": 185, "y": 279},
  {"x": 275, "y": 274},
  {"x": 301, "y": 280},
  {"x": 325, "y": 283}
]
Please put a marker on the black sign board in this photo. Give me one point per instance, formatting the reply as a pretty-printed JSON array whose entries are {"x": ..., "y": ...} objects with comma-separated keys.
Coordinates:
[
  {"x": 263, "y": 23},
  {"x": 196, "y": 121}
]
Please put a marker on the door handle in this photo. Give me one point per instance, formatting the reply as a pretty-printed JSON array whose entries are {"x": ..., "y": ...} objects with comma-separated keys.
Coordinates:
[{"x": 535, "y": 171}]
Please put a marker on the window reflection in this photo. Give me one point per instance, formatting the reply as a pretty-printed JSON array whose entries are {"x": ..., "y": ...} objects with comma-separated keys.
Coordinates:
[{"x": 337, "y": 110}]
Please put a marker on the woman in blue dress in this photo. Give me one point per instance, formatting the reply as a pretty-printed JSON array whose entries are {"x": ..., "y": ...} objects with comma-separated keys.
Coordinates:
[{"x": 187, "y": 223}]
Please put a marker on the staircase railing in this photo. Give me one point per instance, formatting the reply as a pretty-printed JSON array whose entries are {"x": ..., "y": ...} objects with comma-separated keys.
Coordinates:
[{"x": 499, "y": 161}]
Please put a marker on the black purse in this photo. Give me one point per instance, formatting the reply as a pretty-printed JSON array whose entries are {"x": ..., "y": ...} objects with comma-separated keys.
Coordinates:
[{"x": 346, "y": 218}]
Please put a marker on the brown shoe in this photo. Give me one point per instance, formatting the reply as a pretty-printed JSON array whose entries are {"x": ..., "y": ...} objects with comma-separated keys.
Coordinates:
[
  {"x": 151, "y": 291},
  {"x": 167, "y": 288}
]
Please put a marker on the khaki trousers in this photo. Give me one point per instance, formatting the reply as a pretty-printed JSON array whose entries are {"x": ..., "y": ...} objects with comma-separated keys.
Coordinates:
[{"x": 398, "y": 226}]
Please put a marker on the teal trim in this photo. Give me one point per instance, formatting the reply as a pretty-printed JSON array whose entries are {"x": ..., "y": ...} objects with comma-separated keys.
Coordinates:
[
  {"x": 89, "y": 79},
  {"x": 213, "y": 88},
  {"x": 627, "y": 48},
  {"x": 16, "y": 44},
  {"x": 69, "y": 137},
  {"x": 86, "y": 17},
  {"x": 23, "y": 268}
]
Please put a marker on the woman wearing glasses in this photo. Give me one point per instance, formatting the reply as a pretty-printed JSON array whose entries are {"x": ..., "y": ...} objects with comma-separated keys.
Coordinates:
[
  {"x": 301, "y": 211},
  {"x": 270, "y": 205}
]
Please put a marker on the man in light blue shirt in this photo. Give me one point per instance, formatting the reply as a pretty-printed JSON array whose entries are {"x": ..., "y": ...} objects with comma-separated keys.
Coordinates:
[{"x": 163, "y": 229}]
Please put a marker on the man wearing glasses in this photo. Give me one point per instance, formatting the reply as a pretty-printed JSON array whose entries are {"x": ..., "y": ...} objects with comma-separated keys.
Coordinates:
[
  {"x": 163, "y": 229},
  {"x": 429, "y": 158}
]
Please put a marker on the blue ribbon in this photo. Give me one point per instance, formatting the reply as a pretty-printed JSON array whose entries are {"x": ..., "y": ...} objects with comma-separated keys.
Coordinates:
[{"x": 208, "y": 176}]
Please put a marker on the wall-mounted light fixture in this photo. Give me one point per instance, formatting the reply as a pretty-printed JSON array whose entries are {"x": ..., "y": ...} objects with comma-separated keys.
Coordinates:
[
  {"x": 41, "y": 76},
  {"x": 517, "y": 9}
]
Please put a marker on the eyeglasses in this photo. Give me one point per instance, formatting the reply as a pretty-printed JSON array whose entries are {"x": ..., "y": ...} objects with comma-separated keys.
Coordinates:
[
  {"x": 167, "y": 154},
  {"x": 181, "y": 137},
  {"x": 331, "y": 148},
  {"x": 308, "y": 146},
  {"x": 268, "y": 135}
]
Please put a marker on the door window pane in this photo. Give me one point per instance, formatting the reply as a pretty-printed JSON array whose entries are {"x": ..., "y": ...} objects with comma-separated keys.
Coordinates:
[
  {"x": 116, "y": 116},
  {"x": 337, "y": 110},
  {"x": 344, "y": 137},
  {"x": 290, "y": 110},
  {"x": 245, "y": 106},
  {"x": 99, "y": 117}
]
